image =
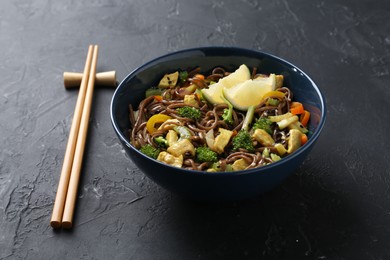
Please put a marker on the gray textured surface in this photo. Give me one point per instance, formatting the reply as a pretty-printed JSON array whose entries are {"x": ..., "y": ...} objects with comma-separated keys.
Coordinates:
[{"x": 337, "y": 206}]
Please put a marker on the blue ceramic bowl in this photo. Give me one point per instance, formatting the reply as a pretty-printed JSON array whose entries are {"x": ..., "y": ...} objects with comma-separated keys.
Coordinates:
[{"x": 200, "y": 185}]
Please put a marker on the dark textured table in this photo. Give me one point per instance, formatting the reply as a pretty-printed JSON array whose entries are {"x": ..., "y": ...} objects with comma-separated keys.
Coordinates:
[{"x": 336, "y": 206}]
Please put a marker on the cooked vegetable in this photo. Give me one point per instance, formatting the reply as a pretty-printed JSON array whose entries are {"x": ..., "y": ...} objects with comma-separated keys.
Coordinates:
[
  {"x": 248, "y": 118},
  {"x": 279, "y": 118},
  {"x": 182, "y": 131},
  {"x": 263, "y": 123},
  {"x": 280, "y": 148},
  {"x": 171, "y": 137},
  {"x": 264, "y": 138},
  {"x": 155, "y": 120},
  {"x": 296, "y": 108},
  {"x": 227, "y": 115},
  {"x": 304, "y": 139},
  {"x": 274, "y": 93},
  {"x": 188, "y": 90},
  {"x": 294, "y": 140},
  {"x": 205, "y": 154},
  {"x": 240, "y": 164},
  {"x": 217, "y": 167},
  {"x": 272, "y": 102},
  {"x": 181, "y": 147},
  {"x": 199, "y": 76},
  {"x": 190, "y": 100},
  {"x": 286, "y": 122},
  {"x": 169, "y": 80},
  {"x": 275, "y": 157},
  {"x": 150, "y": 151},
  {"x": 222, "y": 140},
  {"x": 243, "y": 140},
  {"x": 265, "y": 153},
  {"x": 189, "y": 112},
  {"x": 210, "y": 139},
  {"x": 183, "y": 75},
  {"x": 304, "y": 118},
  {"x": 170, "y": 159},
  {"x": 279, "y": 81},
  {"x": 298, "y": 125},
  {"x": 158, "y": 98},
  {"x": 168, "y": 125},
  {"x": 153, "y": 92},
  {"x": 161, "y": 141}
]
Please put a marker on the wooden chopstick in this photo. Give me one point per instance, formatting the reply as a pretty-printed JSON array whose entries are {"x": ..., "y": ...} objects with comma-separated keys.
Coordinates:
[
  {"x": 59, "y": 203},
  {"x": 63, "y": 185},
  {"x": 67, "y": 218}
]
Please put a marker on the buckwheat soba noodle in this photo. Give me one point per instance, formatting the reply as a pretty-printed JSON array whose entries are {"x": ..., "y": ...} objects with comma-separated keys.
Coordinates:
[{"x": 185, "y": 123}]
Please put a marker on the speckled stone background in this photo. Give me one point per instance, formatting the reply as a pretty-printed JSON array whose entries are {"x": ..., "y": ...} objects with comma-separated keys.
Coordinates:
[{"x": 336, "y": 206}]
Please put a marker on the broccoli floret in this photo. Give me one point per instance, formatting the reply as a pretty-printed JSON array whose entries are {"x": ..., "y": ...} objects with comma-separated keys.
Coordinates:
[
  {"x": 227, "y": 115},
  {"x": 205, "y": 154},
  {"x": 189, "y": 112},
  {"x": 150, "y": 151},
  {"x": 263, "y": 123},
  {"x": 161, "y": 141},
  {"x": 243, "y": 140}
]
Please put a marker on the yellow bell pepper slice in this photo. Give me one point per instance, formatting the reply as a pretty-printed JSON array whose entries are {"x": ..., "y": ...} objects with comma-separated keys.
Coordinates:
[
  {"x": 154, "y": 120},
  {"x": 274, "y": 93}
]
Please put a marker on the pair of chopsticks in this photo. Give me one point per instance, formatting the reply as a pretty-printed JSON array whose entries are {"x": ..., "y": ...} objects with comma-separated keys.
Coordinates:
[{"x": 65, "y": 201}]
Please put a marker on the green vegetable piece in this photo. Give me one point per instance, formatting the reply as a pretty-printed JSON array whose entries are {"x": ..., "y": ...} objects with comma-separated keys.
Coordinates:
[
  {"x": 243, "y": 140},
  {"x": 229, "y": 168},
  {"x": 273, "y": 102},
  {"x": 189, "y": 112},
  {"x": 161, "y": 141},
  {"x": 227, "y": 115},
  {"x": 275, "y": 157},
  {"x": 200, "y": 94},
  {"x": 182, "y": 131},
  {"x": 263, "y": 123},
  {"x": 150, "y": 151},
  {"x": 153, "y": 92},
  {"x": 248, "y": 118},
  {"x": 216, "y": 167},
  {"x": 183, "y": 75},
  {"x": 265, "y": 153},
  {"x": 205, "y": 154}
]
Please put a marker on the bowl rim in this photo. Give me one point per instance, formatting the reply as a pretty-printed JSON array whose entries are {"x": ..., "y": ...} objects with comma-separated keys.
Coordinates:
[{"x": 301, "y": 150}]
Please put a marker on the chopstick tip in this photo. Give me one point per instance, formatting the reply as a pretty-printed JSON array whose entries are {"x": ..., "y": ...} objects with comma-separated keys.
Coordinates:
[
  {"x": 67, "y": 224},
  {"x": 55, "y": 224}
]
